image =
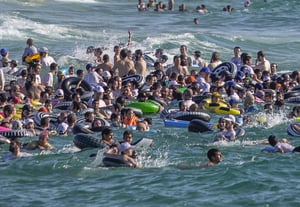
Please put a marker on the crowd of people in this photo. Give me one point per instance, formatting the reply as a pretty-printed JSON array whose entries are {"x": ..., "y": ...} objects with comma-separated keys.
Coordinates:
[
  {"x": 160, "y": 6},
  {"x": 256, "y": 85}
]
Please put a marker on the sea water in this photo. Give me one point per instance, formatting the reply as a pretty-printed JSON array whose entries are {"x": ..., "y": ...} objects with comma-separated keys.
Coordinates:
[{"x": 170, "y": 173}]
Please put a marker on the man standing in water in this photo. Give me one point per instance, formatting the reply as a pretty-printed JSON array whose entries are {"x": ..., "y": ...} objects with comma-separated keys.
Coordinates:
[{"x": 214, "y": 156}]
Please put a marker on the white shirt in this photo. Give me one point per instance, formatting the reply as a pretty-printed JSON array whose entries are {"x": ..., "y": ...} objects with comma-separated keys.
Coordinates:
[
  {"x": 46, "y": 61},
  {"x": 93, "y": 78},
  {"x": 48, "y": 79}
]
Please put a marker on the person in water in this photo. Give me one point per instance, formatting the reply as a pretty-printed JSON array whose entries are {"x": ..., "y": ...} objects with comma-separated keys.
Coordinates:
[
  {"x": 128, "y": 155},
  {"x": 282, "y": 146},
  {"x": 214, "y": 156},
  {"x": 41, "y": 144},
  {"x": 15, "y": 151}
]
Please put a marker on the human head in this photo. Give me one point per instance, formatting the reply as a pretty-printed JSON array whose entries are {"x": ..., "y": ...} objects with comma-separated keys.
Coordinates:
[
  {"x": 128, "y": 136},
  {"x": 62, "y": 128},
  {"x": 4, "y": 52},
  {"x": 43, "y": 138},
  {"x": 272, "y": 140},
  {"x": 214, "y": 155},
  {"x": 107, "y": 134},
  {"x": 29, "y": 123},
  {"x": 59, "y": 93},
  {"x": 14, "y": 147},
  {"x": 29, "y": 42}
]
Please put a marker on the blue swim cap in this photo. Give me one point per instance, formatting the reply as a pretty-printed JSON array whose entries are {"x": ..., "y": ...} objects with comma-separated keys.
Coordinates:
[{"x": 4, "y": 51}]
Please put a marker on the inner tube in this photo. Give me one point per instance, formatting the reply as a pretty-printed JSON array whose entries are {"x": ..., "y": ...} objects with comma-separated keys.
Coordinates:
[
  {"x": 198, "y": 99},
  {"x": 69, "y": 84},
  {"x": 63, "y": 105},
  {"x": 86, "y": 141},
  {"x": 269, "y": 149},
  {"x": 295, "y": 100},
  {"x": 198, "y": 125},
  {"x": 189, "y": 116},
  {"x": 228, "y": 67},
  {"x": 296, "y": 88},
  {"x": 149, "y": 60},
  {"x": 137, "y": 78},
  {"x": 292, "y": 131},
  {"x": 176, "y": 123},
  {"x": 146, "y": 107},
  {"x": 83, "y": 127},
  {"x": 34, "y": 57},
  {"x": 291, "y": 94},
  {"x": 114, "y": 160},
  {"x": 227, "y": 110},
  {"x": 39, "y": 115},
  {"x": 11, "y": 134}
]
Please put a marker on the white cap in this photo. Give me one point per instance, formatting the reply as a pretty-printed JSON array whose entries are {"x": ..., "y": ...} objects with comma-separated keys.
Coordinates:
[
  {"x": 106, "y": 74},
  {"x": 99, "y": 89},
  {"x": 59, "y": 92},
  {"x": 62, "y": 128},
  {"x": 229, "y": 118},
  {"x": 27, "y": 121},
  {"x": 43, "y": 49}
]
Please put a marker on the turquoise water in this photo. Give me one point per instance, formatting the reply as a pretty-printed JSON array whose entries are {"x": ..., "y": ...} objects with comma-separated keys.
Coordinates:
[{"x": 170, "y": 175}]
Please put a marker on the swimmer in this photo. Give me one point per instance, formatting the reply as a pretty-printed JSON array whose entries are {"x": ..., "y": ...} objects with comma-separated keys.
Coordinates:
[
  {"x": 15, "y": 151},
  {"x": 196, "y": 21},
  {"x": 281, "y": 146},
  {"x": 247, "y": 3},
  {"x": 214, "y": 156}
]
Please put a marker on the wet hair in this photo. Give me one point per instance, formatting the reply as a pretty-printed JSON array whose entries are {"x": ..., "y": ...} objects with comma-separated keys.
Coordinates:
[
  {"x": 272, "y": 140},
  {"x": 106, "y": 131},
  {"x": 13, "y": 146},
  {"x": 212, "y": 153},
  {"x": 126, "y": 133},
  {"x": 45, "y": 121},
  {"x": 71, "y": 118},
  {"x": 3, "y": 97},
  {"x": 148, "y": 120},
  {"x": 8, "y": 109}
]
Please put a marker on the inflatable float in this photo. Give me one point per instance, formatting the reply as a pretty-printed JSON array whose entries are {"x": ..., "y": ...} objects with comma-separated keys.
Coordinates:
[
  {"x": 70, "y": 84},
  {"x": 292, "y": 131},
  {"x": 146, "y": 107},
  {"x": 33, "y": 58},
  {"x": 228, "y": 68},
  {"x": 83, "y": 127},
  {"x": 198, "y": 125},
  {"x": 227, "y": 110},
  {"x": 139, "y": 79},
  {"x": 12, "y": 134},
  {"x": 115, "y": 160},
  {"x": 176, "y": 123}
]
